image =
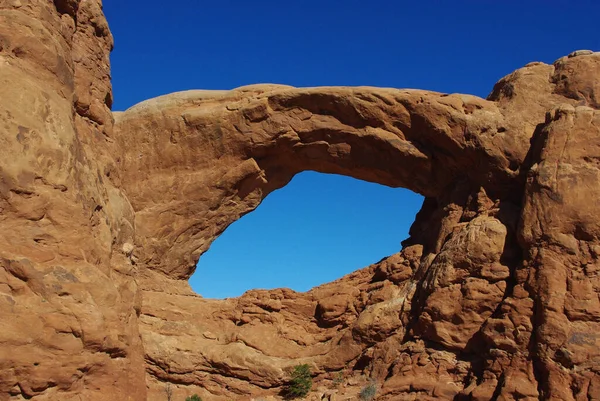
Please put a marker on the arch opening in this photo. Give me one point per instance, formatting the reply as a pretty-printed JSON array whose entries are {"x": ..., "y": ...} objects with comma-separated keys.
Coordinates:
[{"x": 314, "y": 230}]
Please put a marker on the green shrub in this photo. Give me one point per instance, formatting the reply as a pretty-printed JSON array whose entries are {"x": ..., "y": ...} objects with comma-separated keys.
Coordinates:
[
  {"x": 194, "y": 397},
  {"x": 300, "y": 383},
  {"x": 367, "y": 393},
  {"x": 338, "y": 379}
]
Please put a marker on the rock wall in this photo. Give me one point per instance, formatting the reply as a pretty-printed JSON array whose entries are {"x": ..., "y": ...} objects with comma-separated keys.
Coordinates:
[
  {"x": 68, "y": 294},
  {"x": 103, "y": 217}
]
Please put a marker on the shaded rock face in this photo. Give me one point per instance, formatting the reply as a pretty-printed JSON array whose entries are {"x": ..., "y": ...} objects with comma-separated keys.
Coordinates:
[{"x": 103, "y": 217}]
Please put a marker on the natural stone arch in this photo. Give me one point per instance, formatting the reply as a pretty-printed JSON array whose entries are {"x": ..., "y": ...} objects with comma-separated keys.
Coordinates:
[
  {"x": 515, "y": 175},
  {"x": 468, "y": 156},
  {"x": 196, "y": 161}
]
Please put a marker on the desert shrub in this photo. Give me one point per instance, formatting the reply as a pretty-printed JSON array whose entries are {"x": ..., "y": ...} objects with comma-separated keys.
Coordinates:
[
  {"x": 169, "y": 392},
  {"x": 300, "y": 383},
  {"x": 194, "y": 397},
  {"x": 367, "y": 393},
  {"x": 338, "y": 379}
]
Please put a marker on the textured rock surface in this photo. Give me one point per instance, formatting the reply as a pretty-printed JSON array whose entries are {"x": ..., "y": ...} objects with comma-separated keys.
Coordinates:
[
  {"x": 67, "y": 295},
  {"x": 103, "y": 217}
]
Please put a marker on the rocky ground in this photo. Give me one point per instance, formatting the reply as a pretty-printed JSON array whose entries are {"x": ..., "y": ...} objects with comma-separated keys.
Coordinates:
[{"x": 103, "y": 217}]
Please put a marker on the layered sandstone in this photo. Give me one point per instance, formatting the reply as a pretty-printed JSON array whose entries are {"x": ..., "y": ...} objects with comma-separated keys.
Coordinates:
[{"x": 103, "y": 217}]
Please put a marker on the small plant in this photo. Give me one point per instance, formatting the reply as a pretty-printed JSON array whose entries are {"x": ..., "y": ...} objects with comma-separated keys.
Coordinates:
[
  {"x": 300, "y": 383},
  {"x": 194, "y": 397},
  {"x": 338, "y": 379},
  {"x": 169, "y": 392},
  {"x": 367, "y": 393}
]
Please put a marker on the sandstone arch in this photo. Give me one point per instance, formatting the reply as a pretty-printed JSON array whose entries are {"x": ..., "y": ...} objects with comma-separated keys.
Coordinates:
[
  {"x": 103, "y": 216},
  {"x": 218, "y": 154}
]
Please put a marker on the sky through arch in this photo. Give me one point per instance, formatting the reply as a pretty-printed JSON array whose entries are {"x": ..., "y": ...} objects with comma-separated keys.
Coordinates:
[{"x": 314, "y": 230}]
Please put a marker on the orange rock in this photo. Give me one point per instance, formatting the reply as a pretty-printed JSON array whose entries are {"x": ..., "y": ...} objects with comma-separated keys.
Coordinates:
[{"x": 103, "y": 217}]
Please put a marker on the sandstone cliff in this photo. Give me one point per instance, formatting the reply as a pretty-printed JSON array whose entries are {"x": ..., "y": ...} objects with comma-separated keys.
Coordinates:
[{"x": 103, "y": 217}]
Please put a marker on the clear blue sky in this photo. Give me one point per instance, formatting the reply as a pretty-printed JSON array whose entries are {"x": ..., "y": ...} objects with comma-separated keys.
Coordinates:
[{"x": 320, "y": 227}]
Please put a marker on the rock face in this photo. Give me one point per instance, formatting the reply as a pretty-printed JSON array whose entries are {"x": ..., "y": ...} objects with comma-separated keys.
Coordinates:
[
  {"x": 68, "y": 296},
  {"x": 495, "y": 295}
]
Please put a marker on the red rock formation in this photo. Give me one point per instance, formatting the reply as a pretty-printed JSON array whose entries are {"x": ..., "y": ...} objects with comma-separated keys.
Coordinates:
[
  {"x": 103, "y": 218},
  {"x": 67, "y": 293}
]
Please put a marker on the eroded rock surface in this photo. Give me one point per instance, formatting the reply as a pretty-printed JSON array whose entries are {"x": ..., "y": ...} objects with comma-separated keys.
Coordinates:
[{"x": 104, "y": 215}]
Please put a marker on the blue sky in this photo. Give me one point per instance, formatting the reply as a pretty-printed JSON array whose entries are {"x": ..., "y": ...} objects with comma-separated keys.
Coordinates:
[{"x": 335, "y": 224}]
